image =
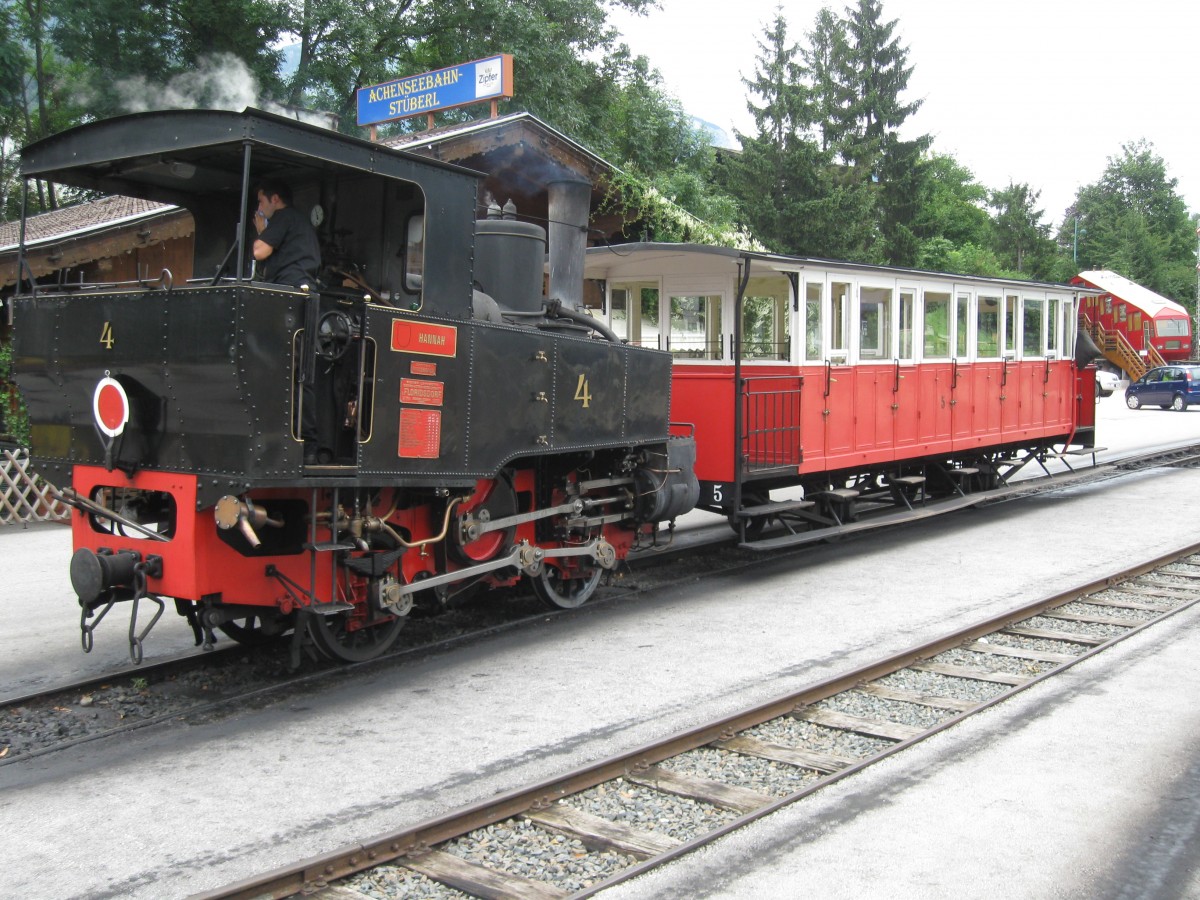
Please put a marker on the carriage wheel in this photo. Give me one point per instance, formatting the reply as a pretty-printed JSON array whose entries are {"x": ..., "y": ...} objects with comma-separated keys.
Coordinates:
[
  {"x": 559, "y": 589},
  {"x": 335, "y": 639},
  {"x": 754, "y": 525}
]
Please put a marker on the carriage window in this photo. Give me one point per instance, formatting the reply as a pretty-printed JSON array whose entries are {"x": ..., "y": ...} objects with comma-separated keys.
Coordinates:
[
  {"x": 1010, "y": 324},
  {"x": 937, "y": 325},
  {"x": 1120, "y": 312},
  {"x": 962, "y": 319},
  {"x": 987, "y": 327},
  {"x": 1136, "y": 324},
  {"x": 414, "y": 255},
  {"x": 1032, "y": 321},
  {"x": 695, "y": 327},
  {"x": 875, "y": 323},
  {"x": 905, "y": 322},
  {"x": 766, "y": 330},
  {"x": 812, "y": 321},
  {"x": 1052, "y": 324},
  {"x": 635, "y": 313},
  {"x": 839, "y": 300}
]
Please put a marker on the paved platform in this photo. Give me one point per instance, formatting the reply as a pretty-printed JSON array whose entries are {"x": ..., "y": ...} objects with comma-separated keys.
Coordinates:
[{"x": 172, "y": 811}]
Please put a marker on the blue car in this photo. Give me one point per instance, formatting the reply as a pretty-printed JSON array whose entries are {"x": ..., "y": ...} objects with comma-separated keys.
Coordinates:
[{"x": 1171, "y": 387}]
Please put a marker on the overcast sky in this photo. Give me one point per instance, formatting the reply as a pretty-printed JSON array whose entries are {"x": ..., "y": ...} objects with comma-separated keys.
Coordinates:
[{"x": 1037, "y": 91}]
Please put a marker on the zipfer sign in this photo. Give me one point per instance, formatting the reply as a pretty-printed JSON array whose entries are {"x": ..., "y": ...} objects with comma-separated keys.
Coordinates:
[{"x": 466, "y": 83}]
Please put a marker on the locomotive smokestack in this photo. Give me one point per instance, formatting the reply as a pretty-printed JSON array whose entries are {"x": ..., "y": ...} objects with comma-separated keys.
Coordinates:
[{"x": 570, "y": 206}]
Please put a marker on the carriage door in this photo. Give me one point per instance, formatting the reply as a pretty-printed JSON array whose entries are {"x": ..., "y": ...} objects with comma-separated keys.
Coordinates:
[
  {"x": 904, "y": 385},
  {"x": 962, "y": 374},
  {"x": 988, "y": 367},
  {"x": 1033, "y": 366},
  {"x": 1010, "y": 379},
  {"x": 936, "y": 370},
  {"x": 837, "y": 381},
  {"x": 874, "y": 376}
]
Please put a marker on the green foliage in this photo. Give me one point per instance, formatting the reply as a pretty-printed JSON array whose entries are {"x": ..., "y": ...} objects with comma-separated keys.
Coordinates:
[
  {"x": 14, "y": 418},
  {"x": 952, "y": 203},
  {"x": 655, "y": 215},
  {"x": 942, "y": 255},
  {"x": 871, "y": 72},
  {"x": 826, "y": 173},
  {"x": 1020, "y": 238}
]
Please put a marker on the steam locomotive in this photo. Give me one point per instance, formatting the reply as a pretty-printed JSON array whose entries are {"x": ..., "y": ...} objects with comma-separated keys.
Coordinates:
[{"x": 469, "y": 432}]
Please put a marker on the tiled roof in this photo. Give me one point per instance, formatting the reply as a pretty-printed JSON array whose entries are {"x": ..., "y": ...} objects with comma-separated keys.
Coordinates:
[{"x": 78, "y": 219}]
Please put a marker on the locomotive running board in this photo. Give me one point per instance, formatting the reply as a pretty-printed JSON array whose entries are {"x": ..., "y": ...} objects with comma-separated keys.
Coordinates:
[{"x": 925, "y": 511}]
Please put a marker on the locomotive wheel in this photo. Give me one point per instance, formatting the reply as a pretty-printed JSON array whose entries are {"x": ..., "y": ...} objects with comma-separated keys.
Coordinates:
[
  {"x": 566, "y": 590},
  {"x": 499, "y": 501},
  {"x": 254, "y": 630},
  {"x": 336, "y": 640}
]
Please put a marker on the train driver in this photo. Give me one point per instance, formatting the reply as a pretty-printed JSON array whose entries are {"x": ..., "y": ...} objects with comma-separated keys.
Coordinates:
[{"x": 287, "y": 244}]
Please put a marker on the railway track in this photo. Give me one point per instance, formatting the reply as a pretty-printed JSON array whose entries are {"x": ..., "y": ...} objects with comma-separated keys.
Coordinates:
[
  {"x": 591, "y": 828},
  {"x": 106, "y": 706}
]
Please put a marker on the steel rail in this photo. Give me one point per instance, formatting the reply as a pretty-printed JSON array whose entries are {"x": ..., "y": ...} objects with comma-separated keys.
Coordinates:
[{"x": 316, "y": 872}]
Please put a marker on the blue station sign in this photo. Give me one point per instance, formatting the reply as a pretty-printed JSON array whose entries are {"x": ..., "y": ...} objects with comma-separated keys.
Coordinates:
[{"x": 472, "y": 82}]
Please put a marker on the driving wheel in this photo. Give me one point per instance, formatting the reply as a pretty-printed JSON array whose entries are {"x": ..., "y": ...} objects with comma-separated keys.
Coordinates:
[
  {"x": 560, "y": 589},
  {"x": 335, "y": 636}
]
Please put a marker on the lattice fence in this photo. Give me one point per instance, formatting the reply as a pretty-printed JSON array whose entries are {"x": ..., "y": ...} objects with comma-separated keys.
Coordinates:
[{"x": 25, "y": 496}]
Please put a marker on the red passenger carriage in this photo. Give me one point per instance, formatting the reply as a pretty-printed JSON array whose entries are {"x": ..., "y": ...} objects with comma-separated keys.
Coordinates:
[
  {"x": 1136, "y": 328},
  {"x": 857, "y": 387}
]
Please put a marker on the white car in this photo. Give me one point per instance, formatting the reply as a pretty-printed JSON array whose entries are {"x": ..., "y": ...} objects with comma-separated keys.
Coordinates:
[{"x": 1106, "y": 383}]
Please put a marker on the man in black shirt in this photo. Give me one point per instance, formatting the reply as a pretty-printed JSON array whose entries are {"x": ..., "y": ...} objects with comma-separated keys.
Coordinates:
[{"x": 287, "y": 245}]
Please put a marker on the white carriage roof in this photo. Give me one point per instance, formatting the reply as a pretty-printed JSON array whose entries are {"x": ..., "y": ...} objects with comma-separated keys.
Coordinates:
[
  {"x": 650, "y": 259},
  {"x": 1143, "y": 298}
]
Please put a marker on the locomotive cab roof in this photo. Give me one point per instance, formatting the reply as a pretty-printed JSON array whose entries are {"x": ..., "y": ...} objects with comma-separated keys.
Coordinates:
[
  {"x": 171, "y": 155},
  {"x": 209, "y": 161}
]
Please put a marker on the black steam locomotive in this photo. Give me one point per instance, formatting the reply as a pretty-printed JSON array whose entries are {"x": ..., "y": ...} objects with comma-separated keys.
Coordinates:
[{"x": 468, "y": 431}]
